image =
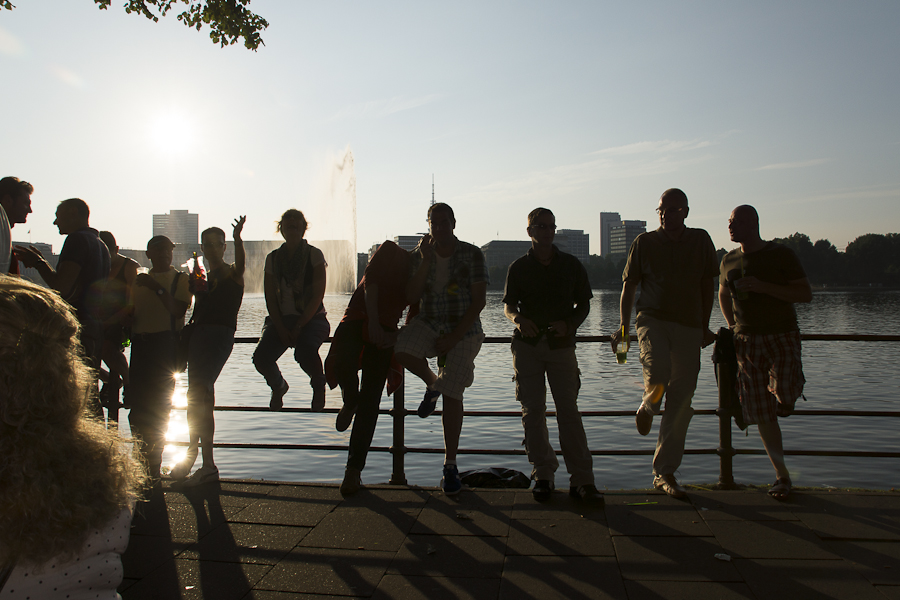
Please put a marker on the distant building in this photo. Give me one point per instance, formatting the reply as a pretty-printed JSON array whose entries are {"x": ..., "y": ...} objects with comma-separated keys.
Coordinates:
[
  {"x": 408, "y": 242},
  {"x": 32, "y": 274},
  {"x": 180, "y": 226},
  {"x": 608, "y": 220},
  {"x": 575, "y": 242},
  {"x": 622, "y": 235},
  {"x": 501, "y": 253}
]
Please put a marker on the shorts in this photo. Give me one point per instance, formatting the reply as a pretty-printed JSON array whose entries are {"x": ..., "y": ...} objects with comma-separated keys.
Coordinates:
[
  {"x": 417, "y": 339},
  {"x": 769, "y": 370}
]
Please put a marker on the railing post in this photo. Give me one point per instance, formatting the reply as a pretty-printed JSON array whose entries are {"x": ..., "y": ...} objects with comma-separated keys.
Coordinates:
[
  {"x": 398, "y": 448},
  {"x": 725, "y": 449}
]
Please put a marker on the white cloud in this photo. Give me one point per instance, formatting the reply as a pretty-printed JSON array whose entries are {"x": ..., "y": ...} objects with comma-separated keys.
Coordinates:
[
  {"x": 382, "y": 108},
  {"x": 793, "y": 165},
  {"x": 10, "y": 45}
]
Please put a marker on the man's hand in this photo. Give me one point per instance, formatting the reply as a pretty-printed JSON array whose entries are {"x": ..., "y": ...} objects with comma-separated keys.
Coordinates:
[
  {"x": 239, "y": 227},
  {"x": 708, "y": 338},
  {"x": 29, "y": 256},
  {"x": 286, "y": 337},
  {"x": 750, "y": 284},
  {"x": 426, "y": 246},
  {"x": 558, "y": 328},
  {"x": 379, "y": 336},
  {"x": 145, "y": 280},
  {"x": 445, "y": 343},
  {"x": 526, "y": 327},
  {"x": 616, "y": 337}
]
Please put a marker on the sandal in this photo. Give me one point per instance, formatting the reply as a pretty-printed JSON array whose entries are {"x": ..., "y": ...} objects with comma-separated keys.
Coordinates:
[{"x": 781, "y": 489}]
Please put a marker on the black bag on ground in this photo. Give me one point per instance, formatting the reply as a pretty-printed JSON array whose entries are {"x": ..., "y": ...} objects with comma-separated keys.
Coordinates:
[{"x": 495, "y": 477}]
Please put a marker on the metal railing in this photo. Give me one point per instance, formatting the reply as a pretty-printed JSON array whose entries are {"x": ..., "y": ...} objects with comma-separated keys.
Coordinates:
[{"x": 725, "y": 451}]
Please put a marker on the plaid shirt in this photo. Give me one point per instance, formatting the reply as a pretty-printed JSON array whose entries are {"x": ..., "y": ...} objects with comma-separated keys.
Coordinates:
[{"x": 441, "y": 309}]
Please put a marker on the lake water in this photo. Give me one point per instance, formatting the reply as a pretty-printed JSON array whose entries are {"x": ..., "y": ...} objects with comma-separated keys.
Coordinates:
[{"x": 840, "y": 375}]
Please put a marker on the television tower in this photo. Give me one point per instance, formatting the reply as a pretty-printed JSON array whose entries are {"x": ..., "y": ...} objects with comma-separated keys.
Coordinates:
[{"x": 432, "y": 189}]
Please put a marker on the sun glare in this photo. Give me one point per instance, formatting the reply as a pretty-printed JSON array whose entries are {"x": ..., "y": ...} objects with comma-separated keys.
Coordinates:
[{"x": 173, "y": 134}]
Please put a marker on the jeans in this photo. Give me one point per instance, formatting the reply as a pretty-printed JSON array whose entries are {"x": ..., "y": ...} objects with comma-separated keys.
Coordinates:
[
  {"x": 352, "y": 353},
  {"x": 150, "y": 391},
  {"x": 561, "y": 367},
  {"x": 209, "y": 350},
  {"x": 670, "y": 354},
  {"x": 306, "y": 350}
]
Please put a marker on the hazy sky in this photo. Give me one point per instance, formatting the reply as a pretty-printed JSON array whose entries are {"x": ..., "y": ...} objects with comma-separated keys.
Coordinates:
[{"x": 581, "y": 107}]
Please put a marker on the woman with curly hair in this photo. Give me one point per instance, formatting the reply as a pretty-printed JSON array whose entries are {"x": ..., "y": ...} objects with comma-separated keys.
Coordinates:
[{"x": 67, "y": 484}]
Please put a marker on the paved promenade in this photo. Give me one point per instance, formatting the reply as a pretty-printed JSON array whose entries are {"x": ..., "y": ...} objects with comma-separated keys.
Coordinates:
[{"x": 274, "y": 541}]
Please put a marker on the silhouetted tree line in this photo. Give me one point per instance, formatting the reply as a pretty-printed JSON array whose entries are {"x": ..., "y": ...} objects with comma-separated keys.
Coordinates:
[{"x": 870, "y": 259}]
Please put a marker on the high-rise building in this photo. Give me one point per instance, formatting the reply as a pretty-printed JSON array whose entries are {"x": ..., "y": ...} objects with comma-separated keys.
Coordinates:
[
  {"x": 180, "y": 226},
  {"x": 575, "y": 242},
  {"x": 501, "y": 253},
  {"x": 608, "y": 220},
  {"x": 622, "y": 235},
  {"x": 407, "y": 242}
]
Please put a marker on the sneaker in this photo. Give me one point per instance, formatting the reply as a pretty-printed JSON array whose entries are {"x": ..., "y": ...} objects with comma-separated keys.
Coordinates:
[
  {"x": 352, "y": 482},
  {"x": 181, "y": 471},
  {"x": 669, "y": 485},
  {"x": 344, "y": 417},
  {"x": 644, "y": 419},
  {"x": 450, "y": 482},
  {"x": 276, "y": 402},
  {"x": 587, "y": 493},
  {"x": 429, "y": 402},
  {"x": 542, "y": 490},
  {"x": 318, "y": 400},
  {"x": 201, "y": 476}
]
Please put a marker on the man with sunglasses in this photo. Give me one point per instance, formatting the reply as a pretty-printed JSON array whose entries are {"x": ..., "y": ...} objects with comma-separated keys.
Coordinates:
[
  {"x": 548, "y": 296},
  {"x": 675, "y": 267}
]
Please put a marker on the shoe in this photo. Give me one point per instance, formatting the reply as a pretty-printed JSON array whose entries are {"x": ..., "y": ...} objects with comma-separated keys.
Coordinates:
[
  {"x": 429, "y": 402},
  {"x": 318, "y": 400},
  {"x": 781, "y": 489},
  {"x": 352, "y": 482},
  {"x": 344, "y": 417},
  {"x": 450, "y": 482},
  {"x": 201, "y": 476},
  {"x": 181, "y": 471},
  {"x": 276, "y": 402},
  {"x": 669, "y": 485},
  {"x": 542, "y": 490},
  {"x": 643, "y": 419},
  {"x": 587, "y": 493}
]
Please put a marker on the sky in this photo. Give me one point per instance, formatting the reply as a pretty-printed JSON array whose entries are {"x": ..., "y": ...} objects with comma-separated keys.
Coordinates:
[{"x": 580, "y": 107}]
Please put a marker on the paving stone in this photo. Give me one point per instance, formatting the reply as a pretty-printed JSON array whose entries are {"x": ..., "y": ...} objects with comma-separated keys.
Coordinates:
[
  {"x": 769, "y": 539},
  {"x": 328, "y": 494},
  {"x": 656, "y": 520},
  {"x": 362, "y": 529},
  {"x": 380, "y": 498},
  {"x": 406, "y": 587},
  {"x": 649, "y": 498},
  {"x": 328, "y": 571},
  {"x": 269, "y": 595},
  {"x": 194, "y": 579},
  {"x": 740, "y": 506},
  {"x": 889, "y": 591},
  {"x": 182, "y": 522},
  {"x": 560, "y": 506},
  {"x": 549, "y": 578},
  {"x": 285, "y": 511},
  {"x": 562, "y": 537},
  {"x": 450, "y": 556},
  {"x": 146, "y": 552},
  {"x": 687, "y": 590},
  {"x": 672, "y": 559},
  {"x": 878, "y": 562},
  {"x": 247, "y": 543},
  {"x": 466, "y": 514},
  {"x": 777, "y": 579},
  {"x": 849, "y": 516}
]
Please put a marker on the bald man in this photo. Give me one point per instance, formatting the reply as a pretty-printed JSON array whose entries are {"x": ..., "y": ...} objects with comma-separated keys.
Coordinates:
[{"x": 758, "y": 286}]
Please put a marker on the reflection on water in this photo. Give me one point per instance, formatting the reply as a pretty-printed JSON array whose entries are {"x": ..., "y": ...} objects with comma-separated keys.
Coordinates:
[{"x": 840, "y": 375}]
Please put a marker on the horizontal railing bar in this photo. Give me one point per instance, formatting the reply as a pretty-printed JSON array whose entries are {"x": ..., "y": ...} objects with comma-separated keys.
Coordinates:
[{"x": 811, "y": 337}]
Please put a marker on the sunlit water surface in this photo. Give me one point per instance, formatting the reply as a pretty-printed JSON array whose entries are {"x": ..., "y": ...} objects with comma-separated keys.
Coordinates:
[{"x": 840, "y": 375}]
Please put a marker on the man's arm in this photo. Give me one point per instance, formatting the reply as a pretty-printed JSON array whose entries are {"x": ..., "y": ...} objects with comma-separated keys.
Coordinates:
[
  {"x": 525, "y": 325},
  {"x": 377, "y": 335},
  {"x": 240, "y": 259},
  {"x": 706, "y": 304},
  {"x": 175, "y": 307},
  {"x": 725, "y": 304},
  {"x": 62, "y": 279},
  {"x": 274, "y": 309},
  {"x": 626, "y": 305},
  {"x": 794, "y": 291},
  {"x": 478, "y": 293},
  {"x": 416, "y": 285},
  {"x": 571, "y": 325}
]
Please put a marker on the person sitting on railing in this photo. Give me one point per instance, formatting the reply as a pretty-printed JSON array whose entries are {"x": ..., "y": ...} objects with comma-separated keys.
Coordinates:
[
  {"x": 547, "y": 296},
  {"x": 68, "y": 485},
  {"x": 450, "y": 279},
  {"x": 365, "y": 340},
  {"x": 675, "y": 266},
  {"x": 758, "y": 284},
  {"x": 294, "y": 285},
  {"x": 214, "y": 322}
]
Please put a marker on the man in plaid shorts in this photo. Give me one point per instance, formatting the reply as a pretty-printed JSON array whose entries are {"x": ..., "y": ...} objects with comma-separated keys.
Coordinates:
[
  {"x": 758, "y": 285},
  {"x": 449, "y": 277}
]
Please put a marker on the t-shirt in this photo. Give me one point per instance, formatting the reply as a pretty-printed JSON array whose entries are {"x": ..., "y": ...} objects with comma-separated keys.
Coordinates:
[
  {"x": 5, "y": 242},
  {"x": 389, "y": 270},
  {"x": 762, "y": 313},
  {"x": 150, "y": 314},
  {"x": 286, "y": 288},
  {"x": 442, "y": 306},
  {"x": 95, "y": 573},
  {"x": 670, "y": 273},
  {"x": 85, "y": 248},
  {"x": 547, "y": 293},
  {"x": 220, "y": 303}
]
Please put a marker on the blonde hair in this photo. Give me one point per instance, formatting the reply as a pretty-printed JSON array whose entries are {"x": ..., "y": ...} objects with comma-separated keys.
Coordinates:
[{"x": 63, "y": 474}]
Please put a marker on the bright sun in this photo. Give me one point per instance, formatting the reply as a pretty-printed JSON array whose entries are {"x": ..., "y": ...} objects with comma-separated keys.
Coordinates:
[{"x": 172, "y": 133}]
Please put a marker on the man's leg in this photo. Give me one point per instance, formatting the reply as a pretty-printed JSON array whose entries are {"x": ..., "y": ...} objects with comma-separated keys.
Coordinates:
[
  {"x": 565, "y": 381},
  {"x": 531, "y": 392},
  {"x": 375, "y": 364},
  {"x": 268, "y": 351},
  {"x": 451, "y": 420},
  {"x": 153, "y": 359},
  {"x": 414, "y": 344},
  {"x": 209, "y": 351},
  {"x": 771, "y": 438},
  {"x": 306, "y": 352}
]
